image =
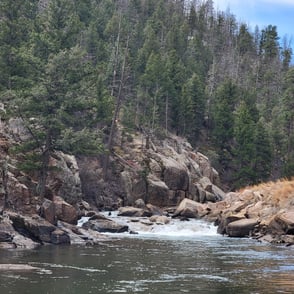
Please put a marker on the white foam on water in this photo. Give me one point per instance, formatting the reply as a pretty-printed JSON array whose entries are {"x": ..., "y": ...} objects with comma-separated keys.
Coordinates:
[
  {"x": 53, "y": 265},
  {"x": 82, "y": 221},
  {"x": 175, "y": 228}
]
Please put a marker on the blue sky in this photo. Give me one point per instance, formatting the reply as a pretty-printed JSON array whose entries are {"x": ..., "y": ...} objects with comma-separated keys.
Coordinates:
[{"x": 263, "y": 13}]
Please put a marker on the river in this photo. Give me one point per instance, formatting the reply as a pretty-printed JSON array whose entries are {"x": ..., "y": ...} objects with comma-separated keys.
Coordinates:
[{"x": 183, "y": 257}]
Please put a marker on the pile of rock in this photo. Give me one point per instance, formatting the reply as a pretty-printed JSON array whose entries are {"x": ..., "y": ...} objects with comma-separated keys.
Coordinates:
[{"x": 264, "y": 212}]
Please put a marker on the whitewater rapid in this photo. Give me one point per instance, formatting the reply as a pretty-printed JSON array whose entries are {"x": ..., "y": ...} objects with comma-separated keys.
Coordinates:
[{"x": 176, "y": 228}]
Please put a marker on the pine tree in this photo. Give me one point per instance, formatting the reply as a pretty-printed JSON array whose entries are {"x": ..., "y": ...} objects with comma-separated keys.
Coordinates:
[
  {"x": 263, "y": 153},
  {"x": 269, "y": 43},
  {"x": 192, "y": 108},
  {"x": 244, "y": 134},
  {"x": 223, "y": 114},
  {"x": 288, "y": 123},
  {"x": 16, "y": 25}
]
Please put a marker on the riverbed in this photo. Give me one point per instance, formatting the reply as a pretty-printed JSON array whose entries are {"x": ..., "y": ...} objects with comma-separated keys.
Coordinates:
[{"x": 159, "y": 261}]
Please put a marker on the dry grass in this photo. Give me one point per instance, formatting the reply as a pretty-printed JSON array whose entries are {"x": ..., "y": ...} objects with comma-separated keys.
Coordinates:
[{"x": 279, "y": 193}]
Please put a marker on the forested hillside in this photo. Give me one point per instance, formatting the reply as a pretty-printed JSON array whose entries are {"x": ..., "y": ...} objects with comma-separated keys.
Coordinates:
[{"x": 73, "y": 69}]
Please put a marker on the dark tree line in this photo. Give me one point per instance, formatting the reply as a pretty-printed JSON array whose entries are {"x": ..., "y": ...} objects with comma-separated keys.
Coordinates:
[{"x": 71, "y": 68}]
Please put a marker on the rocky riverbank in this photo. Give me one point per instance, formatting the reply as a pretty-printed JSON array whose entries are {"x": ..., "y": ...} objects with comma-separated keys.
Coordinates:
[
  {"x": 263, "y": 213},
  {"x": 147, "y": 178}
]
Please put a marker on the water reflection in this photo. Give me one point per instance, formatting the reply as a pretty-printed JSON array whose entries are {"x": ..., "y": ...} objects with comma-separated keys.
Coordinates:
[{"x": 207, "y": 264}]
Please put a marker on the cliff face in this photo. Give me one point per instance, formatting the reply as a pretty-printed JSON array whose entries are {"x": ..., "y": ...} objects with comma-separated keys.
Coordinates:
[{"x": 159, "y": 172}]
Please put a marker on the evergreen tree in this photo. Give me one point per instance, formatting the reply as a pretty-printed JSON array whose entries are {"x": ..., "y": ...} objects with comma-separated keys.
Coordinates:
[
  {"x": 16, "y": 62},
  {"x": 223, "y": 114},
  {"x": 244, "y": 134},
  {"x": 288, "y": 123},
  {"x": 269, "y": 43},
  {"x": 192, "y": 108},
  {"x": 263, "y": 153}
]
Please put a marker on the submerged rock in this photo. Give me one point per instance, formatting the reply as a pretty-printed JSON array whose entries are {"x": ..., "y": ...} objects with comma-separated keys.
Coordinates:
[{"x": 160, "y": 219}]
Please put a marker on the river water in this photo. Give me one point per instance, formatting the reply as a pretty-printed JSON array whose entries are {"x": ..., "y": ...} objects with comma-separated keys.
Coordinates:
[{"x": 183, "y": 257}]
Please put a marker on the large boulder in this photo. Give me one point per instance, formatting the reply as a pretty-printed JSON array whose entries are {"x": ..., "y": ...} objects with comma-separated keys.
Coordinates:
[
  {"x": 105, "y": 226},
  {"x": 65, "y": 212},
  {"x": 190, "y": 209},
  {"x": 59, "y": 237},
  {"x": 241, "y": 228},
  {"x": 160, "y": 219},
  {"x": 175, "y": 175},
  {"x": 158, "y": 193},
  {"x": 11, "y": 239},
  {"x": 283, "y": 223},
  {"x": 225, "y": 219},
  {"x": 154, "y": 210},
  {"x": 133, "y": 211},
  {"x": 35, "y": 227}
]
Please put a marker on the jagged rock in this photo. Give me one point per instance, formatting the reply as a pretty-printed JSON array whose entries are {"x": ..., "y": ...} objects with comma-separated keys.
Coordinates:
[
  {"x": 190, "y": 209},
  {"x": 33, "y": 227},
  {"x": 64, "y": 211},
  {"x": 80, "y": 236},
  {"x": 133, "y": 211},
  {"x": 155, "y": 168},
  {"x": 175, "y": 175},
  {"x": 158, "y": 193},
  {"x": 19, "y": 196},
  {"x": 64, "y": 179},
  {"x": 283, "y": 223},
  {"x": 13, "y": 238},
  {"x": 48, "y": 211},
  {"x": 218, "y": 192},
  {"x": 241, "y": 228},
  {"x": 206, "y": 184},
  {"x": 105, "y": 226}
]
